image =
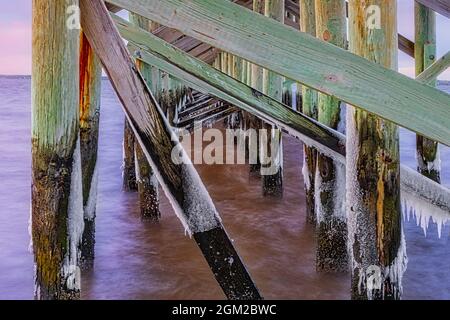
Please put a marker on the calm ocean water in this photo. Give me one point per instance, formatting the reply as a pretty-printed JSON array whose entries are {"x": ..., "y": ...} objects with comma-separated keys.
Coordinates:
[{"x": 135, "y": 259}]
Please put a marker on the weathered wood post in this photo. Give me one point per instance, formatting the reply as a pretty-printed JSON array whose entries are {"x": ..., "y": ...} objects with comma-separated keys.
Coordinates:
[
  {"x": 177, "y": 175},
  {"x": 309, "y": 108},
  {"x": 255, "y": 80},
  {"x": 90, "y": 92},
  {"x": 56, "y": 196},
  {"x": 146, "y": 180},
  {"x": 373, "y": 167},
  {"x": 272, "y": 170},
  {"x": 428, "y": 160},
  {"x": 331, "y": 26}
]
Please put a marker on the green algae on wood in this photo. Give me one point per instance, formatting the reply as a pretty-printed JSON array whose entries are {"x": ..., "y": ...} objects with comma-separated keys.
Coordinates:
[
  {"x": 375, "y": 238},
  {"x": 56, "y": 194},
  {"x": 300, "y": 57}
]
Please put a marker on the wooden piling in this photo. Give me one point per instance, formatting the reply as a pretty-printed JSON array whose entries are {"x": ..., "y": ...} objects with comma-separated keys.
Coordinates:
[
  {"x": 146, "y": 180},
  {"x": 373, "y": 167},
  {"x": 177, "y": 175},
  {"x": 272, "y": 171},
  {"x": 90, "y": 92},
  {"x": 428, "y": 160},
  {"x": 255, "y": 80},
  {"x": 309, "y": 108},
  {"x": 56, "y": 196},
  {"x": 331, "y": 224}
]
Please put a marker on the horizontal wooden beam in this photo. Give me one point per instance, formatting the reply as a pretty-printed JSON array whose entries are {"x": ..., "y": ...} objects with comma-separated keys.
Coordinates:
[
  {"x": 298, "y": 56},
  {"x": 440, "y": 6},
  {"x": 177, "y": 176},
  {"x": 430, "y": 74}
]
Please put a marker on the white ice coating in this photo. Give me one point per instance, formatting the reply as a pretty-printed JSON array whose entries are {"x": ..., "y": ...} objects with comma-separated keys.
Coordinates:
[
  {"x": 75, "y": 224},
  {"x": 420, "y": 209},
  {"x": 89, "y": 208},
  {"x": 337, "y": 189},
  {"x": 430, "y": 166}
]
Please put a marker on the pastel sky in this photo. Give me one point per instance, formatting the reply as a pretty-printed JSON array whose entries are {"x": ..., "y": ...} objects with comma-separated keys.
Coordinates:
[{"x": 15, "y": 36}]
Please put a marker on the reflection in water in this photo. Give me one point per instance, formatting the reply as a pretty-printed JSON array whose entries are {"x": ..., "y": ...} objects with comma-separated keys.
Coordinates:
[{"x": 136, "y": 260}]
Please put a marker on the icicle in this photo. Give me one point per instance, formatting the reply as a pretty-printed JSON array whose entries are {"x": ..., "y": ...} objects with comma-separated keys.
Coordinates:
[
  {"x": 75, "y": 224},
  {"x": 89, "y": 209}
]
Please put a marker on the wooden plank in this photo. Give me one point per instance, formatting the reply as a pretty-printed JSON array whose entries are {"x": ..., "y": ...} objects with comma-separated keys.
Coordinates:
[
  {"x": 440, "y": 6},
  {"x": 427, "y": 151},
  {"x": 300, "y": 57},
  {"x": 430, "y": 74},
  {"x": 179, "y": 180},
  {"x": 331, "y": 224}
]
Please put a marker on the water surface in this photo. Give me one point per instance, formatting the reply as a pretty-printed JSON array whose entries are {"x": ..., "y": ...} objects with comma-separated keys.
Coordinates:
[{"x": 138, "y": 260}]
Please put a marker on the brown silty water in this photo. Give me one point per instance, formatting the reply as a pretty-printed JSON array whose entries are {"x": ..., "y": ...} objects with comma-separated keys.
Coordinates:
[{"x": 141, "y": 260}]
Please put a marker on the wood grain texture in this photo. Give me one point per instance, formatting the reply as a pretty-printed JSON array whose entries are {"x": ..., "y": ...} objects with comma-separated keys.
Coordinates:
[
  {"x": 309, "y": 108},
  {"x": 300, "y": 57},
  {"x": 161, "y": 54},
  {"x": 430, "y": 74},
  {"x": 203, "y": 77},
  {"x": 55, "y": 131},
  {"x": 147, "y": 183},
  {"x": 272, "y": 170},
  {"x": 373, "y": 167},
  {"x": 331, "y": 230},
  {"x": 90, "y": 93},
  {"x": 428, "y": 162},
  {"x": 179, "y": 180}
]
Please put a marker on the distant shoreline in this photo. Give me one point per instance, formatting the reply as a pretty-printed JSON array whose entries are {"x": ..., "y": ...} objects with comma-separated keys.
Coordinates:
[{"x": 440, "y": 82}]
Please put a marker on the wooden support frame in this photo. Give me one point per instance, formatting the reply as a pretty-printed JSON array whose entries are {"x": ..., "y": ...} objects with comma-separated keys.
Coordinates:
[
  {"x": 300, "y": 57},
  {"x": 430, "y": 74},
  {"x": 205, "y": 78},
  {"x": 56, "y": 193},
  {"x": 179, "y": 180}
]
